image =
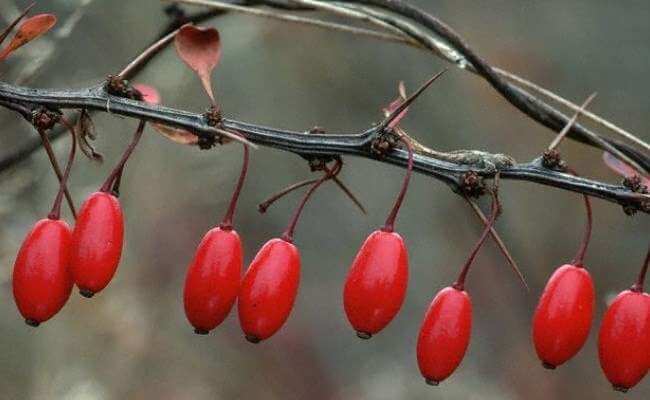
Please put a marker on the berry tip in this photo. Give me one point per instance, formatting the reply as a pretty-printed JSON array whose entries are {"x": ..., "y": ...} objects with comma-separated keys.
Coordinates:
[
  {"x": 253, "y": 339},
  {"x": 363, "y": 335},
  {"x": 86, "y": 293},
  {"x": 32, "y": 322}
]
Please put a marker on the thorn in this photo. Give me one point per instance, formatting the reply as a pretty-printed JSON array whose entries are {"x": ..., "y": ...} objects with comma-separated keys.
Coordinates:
[
  {"x": 409, "y": 100},
  {"x": 572, "y": 121}
]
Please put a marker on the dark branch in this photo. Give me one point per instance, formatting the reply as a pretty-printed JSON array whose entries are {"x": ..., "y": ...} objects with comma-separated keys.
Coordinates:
[{"x": 359, "y": 144}]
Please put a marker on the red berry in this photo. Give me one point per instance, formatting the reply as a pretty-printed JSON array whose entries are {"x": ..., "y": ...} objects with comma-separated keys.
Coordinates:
[
  {"x": 212, "y": 280},
  {"x": 269, "y": 289},
  {"x": 97, "y": 243},
  {"x": 444, "y": 335},
  {"x": 563, "y": 316},
  {"x": 376, "y": 284},
  {"x": 624, "y": 340},
  {"x": 41, "y": 279}
]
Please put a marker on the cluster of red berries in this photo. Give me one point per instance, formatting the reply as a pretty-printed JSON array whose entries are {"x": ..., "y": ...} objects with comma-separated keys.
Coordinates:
[{"x": 54, "y": 257}]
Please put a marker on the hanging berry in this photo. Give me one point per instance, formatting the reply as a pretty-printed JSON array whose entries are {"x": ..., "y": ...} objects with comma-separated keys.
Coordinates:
[
  {"x": 376, "y": 283},
  {"x": 41, "y": 278},
  {"x": 98, "y": 234},
  {"x": 564, "y": 313},
  {"x": 624, "y": 338},
  {"x": 270, "y": 285},
  {"x": 213, "y": 277},
  {"x": 445, "y": 332}
]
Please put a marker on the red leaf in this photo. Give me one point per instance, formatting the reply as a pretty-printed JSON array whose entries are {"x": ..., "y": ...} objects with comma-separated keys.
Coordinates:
[
  {"x": 622, "y": 168},
  {"x": 200, "y": 49},
  {"x": 395, "y": 104},
  {"x": 29, "y": 30},
  {"x": 149, "y": 93}
]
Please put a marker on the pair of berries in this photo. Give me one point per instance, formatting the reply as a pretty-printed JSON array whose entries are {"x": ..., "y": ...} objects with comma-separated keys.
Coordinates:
[
  {"x": 563, "y": 318},
  {"x": 53, "y": 257},
  {"x": 268, "y": 290}
]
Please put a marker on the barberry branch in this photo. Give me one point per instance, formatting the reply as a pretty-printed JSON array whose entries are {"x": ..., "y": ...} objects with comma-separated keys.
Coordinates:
[{"x": 303, "y": 143}]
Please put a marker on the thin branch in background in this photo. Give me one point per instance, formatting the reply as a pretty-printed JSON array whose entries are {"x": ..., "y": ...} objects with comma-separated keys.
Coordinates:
[
  {"x": 147, "y": 54},
  {"x": 561, "y": 100},
  {"x": 502, "y": 246},
  {"x": 572, "y": 121},
  {"x": 283, "y": 16}
]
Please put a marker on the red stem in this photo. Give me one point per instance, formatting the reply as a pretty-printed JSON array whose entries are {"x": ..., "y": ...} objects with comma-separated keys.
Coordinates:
[
  {"x": 55, "y": 214},
  {"x": 638, "y": 286},
  {"x": 460, "y": 282},
  {"x": 580, "y": 256},
  {"x": 288, "y": 233},
  {"x": 263, "y": 206},
  {"x": 389, "y": 225},
  {"x": 226, "y": 224},
  {"x": 106, "y": 187}
]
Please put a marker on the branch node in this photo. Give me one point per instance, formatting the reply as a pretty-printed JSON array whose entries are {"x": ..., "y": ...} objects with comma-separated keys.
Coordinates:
[
  {"x": 552, "y": 159},
  {"x": 383, "y": 143},
  {"x": 635, "y": 184},
  {"x": 120, "y": 87},
  {"x": 44, "y": 118},
  {"x": 471, "y": 184}
]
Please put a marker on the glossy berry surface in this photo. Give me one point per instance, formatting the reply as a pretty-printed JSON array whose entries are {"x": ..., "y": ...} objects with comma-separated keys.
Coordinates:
[
  {"x": 97, "y": 242},
  {"x": 269, "y": 289},
  {"x": 624, "y": 340},
  {"x": 376, "y": 283},
  {"x": 41, "y": 278},
  {"x": 563, "y": 316},
  {"x": 444, "y": 334},
  {"x": 213, "y": 278}
]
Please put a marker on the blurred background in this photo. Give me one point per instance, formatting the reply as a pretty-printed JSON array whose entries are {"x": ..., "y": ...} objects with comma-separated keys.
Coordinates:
[{"x": 132, "y": 341}]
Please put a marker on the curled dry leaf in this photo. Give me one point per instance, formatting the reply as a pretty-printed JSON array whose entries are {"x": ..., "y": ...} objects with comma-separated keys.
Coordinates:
[
  {"x": 29, "y": 30},
  {"x": 85, "y": 130},
  {"x": 622, "y": 168},
  {"x": 200, "y": 49},
  {"x": 175, "y": 134},
  {"x": 151, "y": 96},
  {"x": 395, "y": 104}
]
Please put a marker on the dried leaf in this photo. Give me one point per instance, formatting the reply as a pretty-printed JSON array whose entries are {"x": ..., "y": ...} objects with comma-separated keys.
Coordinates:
[
  {"x": 395, "y": 104},
  {"x": 29, "y": 30},
  {"x": 176, "y": 134},
  {"x": 200, "y": 49},
  {"x": 86, "y": 131},
  {"x": 622, "y": 168},
  {"x": 149, "y": 93}
]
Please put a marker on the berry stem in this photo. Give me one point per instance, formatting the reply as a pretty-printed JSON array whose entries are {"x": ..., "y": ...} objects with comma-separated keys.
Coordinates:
[
  {"x": 117, "y": 171},
  {"x": 55, "y": 214},
  {"x": 227, "y": 219},
  {"x": 389, "y": 225},
  {"x": 57, "y": 170},
  {"x": 263, "y": 206},
  {"x": 638, "y": 286},
  {"x": 496, "y": 206},
  {"x": 287, "y": 236},
  {"x": 579, "y": 258}
]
